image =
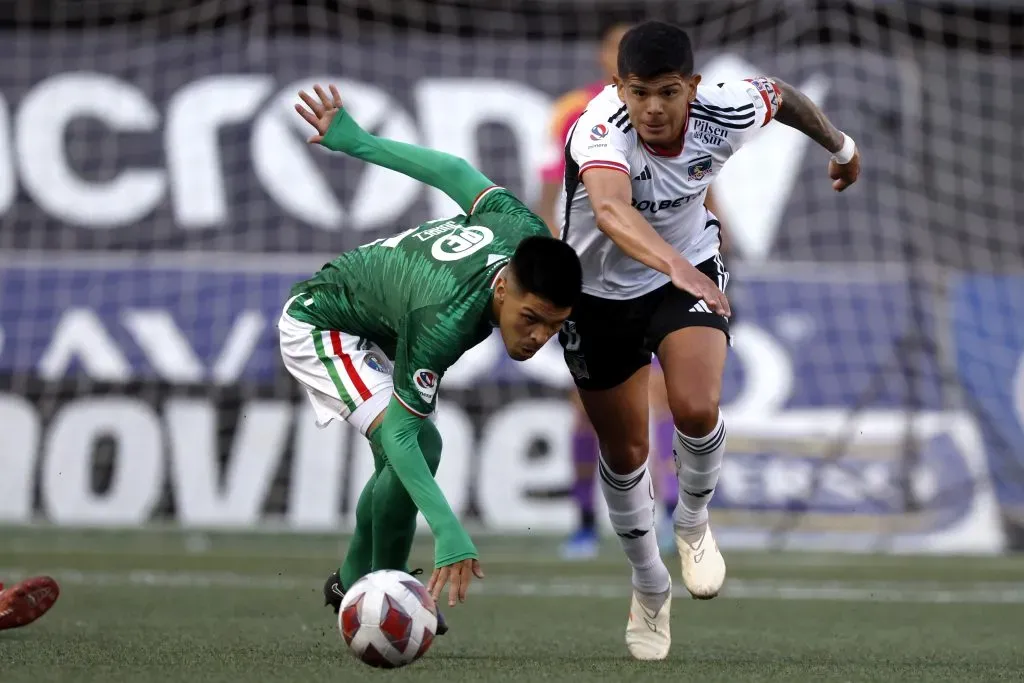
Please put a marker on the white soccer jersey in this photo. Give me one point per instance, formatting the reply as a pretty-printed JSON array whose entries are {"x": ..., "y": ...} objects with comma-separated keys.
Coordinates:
[{"x": 668, "y": 190}]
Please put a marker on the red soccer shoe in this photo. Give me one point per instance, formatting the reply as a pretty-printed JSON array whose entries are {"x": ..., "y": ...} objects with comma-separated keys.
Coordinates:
[{"x": 24, "y": 602}]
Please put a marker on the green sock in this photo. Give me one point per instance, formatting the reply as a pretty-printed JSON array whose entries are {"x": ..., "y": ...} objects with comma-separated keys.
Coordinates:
[
  {"x": 394, "y": 513},
  {"x": 359, "y": 557}
]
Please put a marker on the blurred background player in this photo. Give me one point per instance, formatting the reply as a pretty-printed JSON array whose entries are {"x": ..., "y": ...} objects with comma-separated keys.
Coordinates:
[
  {"x": 565, "y": 112},
  {"x": 584, "y": 541},
  {"x": 26, "y": 601}
]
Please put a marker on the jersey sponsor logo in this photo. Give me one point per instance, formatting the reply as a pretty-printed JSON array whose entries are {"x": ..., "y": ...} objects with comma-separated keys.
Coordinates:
[
  {"x": 709, "y": 133},
  {"x": 644, "y": 174},
  {"x": 598, "y": 132},
  {"x": 700, "y": 167},
  {"x": 656, "y": 205},
  {"x": 426, "y": 383},
  {"x": 461, "y": 242}
]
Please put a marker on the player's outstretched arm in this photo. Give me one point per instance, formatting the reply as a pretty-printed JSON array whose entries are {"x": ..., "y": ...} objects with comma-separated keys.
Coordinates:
[
  {"x": 799, "y": 112},
  {"x": 610, "y": 195},
  {"x": 455, "y": 556},
  {"x": 337, "y": 131}
]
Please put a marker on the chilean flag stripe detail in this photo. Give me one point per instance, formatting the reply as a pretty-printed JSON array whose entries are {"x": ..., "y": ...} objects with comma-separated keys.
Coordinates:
[
  {"x": 350, "y": 369},
  {"x": 601, "y": 163},
  {"x": 767, "y": 102}
]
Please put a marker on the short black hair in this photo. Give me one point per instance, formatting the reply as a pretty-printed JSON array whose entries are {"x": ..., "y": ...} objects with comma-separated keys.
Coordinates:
[
  {"x": 653, "y": 49},
  {"x": 548, "y": 268}
]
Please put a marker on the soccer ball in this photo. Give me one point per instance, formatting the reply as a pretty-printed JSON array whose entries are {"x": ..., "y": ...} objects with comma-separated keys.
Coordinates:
[{"x": 388, "y": 619}]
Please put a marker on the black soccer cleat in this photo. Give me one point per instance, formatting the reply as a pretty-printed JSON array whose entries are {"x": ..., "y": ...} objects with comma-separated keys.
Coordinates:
[{"x": 334, "y": 594}]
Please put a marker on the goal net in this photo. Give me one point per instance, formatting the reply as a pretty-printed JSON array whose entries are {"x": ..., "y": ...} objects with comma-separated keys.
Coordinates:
[{"x": 158, "y": 199}]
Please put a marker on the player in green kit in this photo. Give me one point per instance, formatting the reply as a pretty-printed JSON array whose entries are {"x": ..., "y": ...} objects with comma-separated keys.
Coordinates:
[{"x": 372, "y": 333}]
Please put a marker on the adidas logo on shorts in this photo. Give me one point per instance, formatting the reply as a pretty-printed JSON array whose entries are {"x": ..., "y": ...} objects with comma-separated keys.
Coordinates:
[{"x": 700, "y": 307}]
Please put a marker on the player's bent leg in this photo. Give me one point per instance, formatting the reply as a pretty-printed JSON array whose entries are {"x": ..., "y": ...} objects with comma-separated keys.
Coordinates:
[
  {"x": 394, "y": 512},
  {"x": 693, "y": 359},
  {"x": 359, "y": 556},
  {"x": 349, "y": 378},
  {"x": 386, "y": 517},
  {"x": 620, "y": 415}
]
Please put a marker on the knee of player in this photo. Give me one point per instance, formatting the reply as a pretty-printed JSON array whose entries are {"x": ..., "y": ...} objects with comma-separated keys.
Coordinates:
[
  {"x": 626, "y": 456},
  {"x": 695, "y": 414}
]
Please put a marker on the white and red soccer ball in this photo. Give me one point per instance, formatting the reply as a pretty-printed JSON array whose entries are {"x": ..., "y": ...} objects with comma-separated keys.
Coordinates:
[{"x": 388, "y": 619}]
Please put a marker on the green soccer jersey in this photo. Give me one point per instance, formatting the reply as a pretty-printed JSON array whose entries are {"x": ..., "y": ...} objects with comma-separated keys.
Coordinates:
[{"x": 424, "y": 295}]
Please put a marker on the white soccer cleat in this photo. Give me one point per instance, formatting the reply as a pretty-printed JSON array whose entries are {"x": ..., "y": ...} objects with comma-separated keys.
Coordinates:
[
  {"x": 703, "y": 564},
  {"x": 648, "y": 634}
]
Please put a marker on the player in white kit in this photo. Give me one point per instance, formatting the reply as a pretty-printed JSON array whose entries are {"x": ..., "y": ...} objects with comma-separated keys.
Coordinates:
[{"x": 639, "y": 162}]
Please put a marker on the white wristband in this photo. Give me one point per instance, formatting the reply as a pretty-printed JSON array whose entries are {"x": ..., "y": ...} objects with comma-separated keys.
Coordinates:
[{"x": 846, "y": 152}]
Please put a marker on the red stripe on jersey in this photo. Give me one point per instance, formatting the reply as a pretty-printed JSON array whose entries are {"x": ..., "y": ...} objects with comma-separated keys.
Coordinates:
[
  {"x": 346, "y": 360},
  {"x": 614, "y": 165},
  {"x": 767, "y": 103}
]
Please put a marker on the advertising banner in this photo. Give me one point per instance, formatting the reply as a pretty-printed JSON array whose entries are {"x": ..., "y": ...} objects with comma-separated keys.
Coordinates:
[
  {"x": 990, "y": 360},
  {"x": 191, "y": 143},
  {"x": 144, "y": 392},
  {"x": 158, "y": 198}
]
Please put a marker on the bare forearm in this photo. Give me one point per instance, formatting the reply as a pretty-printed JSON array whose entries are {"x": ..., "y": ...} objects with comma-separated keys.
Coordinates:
[
  {"x": 633, "y": 235},
  {"x": 799, "y": 112}
]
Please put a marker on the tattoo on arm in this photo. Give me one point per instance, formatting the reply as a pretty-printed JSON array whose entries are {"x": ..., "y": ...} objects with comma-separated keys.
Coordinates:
[{"x": 799, "y": 112}]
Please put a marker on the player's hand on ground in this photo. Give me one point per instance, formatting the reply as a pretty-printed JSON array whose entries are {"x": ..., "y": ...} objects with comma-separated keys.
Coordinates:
[
  {"x": 687, "y": 278},
  {"x": 320, "y": 110},
  {"x": 458, "y": 577},
  {"x": 844, "y": 175}
]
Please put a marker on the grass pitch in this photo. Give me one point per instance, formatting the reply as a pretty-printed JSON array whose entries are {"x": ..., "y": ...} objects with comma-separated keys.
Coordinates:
[{"x": 174, "y": 606}]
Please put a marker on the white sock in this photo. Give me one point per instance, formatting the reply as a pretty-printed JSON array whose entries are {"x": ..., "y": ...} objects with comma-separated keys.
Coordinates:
[
  {"x": 698, "y": 464},
  {"x": 630, "y": 499}
]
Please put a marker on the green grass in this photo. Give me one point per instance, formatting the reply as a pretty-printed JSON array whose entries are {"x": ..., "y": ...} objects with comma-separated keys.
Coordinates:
[{"x": 170, "y": 606}]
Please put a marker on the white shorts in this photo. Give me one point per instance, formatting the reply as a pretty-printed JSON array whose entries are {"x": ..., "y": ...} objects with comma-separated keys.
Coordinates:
[{"x": 344, "y": 375}]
